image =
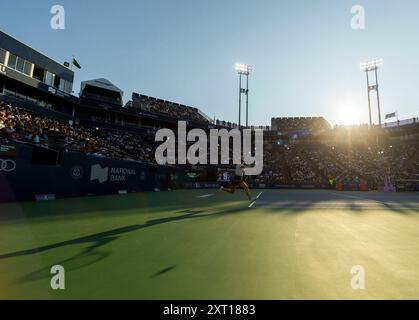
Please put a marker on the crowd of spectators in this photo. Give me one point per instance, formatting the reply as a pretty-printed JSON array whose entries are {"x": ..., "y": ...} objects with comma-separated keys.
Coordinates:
[
  {"x": 274, "y": 168},
  {"x": 175, "y": 110},
  {"x": 318, "y": 162},
  {"x": 300, "y": 125},
  {"x": 301, "y": 172},
  {"x": 21, "y": 125}
]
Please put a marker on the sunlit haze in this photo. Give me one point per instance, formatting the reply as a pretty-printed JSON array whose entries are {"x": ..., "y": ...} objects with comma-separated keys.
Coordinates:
[{"x": 305, "y": 54}]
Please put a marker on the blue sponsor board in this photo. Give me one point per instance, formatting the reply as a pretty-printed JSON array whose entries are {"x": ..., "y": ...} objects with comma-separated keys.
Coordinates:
[{"x": 31, "y": 170}]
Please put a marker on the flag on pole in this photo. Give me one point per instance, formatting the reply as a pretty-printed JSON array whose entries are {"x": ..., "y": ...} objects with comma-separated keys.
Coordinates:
[
  {"x": 76, "y": 64},
  {"x": 390, "y": 115}
]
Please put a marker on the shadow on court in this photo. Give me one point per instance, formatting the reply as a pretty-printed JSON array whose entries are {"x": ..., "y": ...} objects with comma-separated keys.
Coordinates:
[
  {"x": 284, "y": 203},
  {"x": 147, "y": 202},
  {"x": 102, "y": 238},
  {"x": 328, "y": 199},
  {"x": 163, "y": 271},
  {"x": 93, "y": 254}
]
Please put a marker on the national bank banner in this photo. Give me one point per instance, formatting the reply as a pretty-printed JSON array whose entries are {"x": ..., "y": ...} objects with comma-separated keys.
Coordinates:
[{"x": 75, "y": 174}]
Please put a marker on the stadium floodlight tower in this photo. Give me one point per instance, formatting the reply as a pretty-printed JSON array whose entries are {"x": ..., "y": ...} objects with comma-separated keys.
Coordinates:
[
  {"x": 243, "y": 70},
  {"x": 372, "y": 66}
]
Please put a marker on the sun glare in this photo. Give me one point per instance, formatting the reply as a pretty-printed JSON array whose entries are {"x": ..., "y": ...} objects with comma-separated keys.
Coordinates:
[{"x": 347, "y": 115}]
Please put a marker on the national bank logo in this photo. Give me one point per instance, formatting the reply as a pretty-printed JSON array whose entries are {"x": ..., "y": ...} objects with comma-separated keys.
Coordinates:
[
  {"x": 105, "y": 174},
  {"x": 98, "y": 173}
]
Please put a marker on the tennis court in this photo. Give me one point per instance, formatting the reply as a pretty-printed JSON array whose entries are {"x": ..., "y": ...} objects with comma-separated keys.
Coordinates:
[{"x": 204, "y": 244}]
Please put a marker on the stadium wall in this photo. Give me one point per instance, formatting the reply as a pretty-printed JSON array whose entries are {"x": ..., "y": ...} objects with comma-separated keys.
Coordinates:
[{"x": 32, "y": 172}]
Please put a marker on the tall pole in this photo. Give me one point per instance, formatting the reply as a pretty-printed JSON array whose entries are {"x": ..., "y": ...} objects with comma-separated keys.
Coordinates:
[
  {"x": 240, "y": 99},
  {"x": 369, "y": 98},
  {"x": 368, "y": 67},
  {"x": 247, "y": 100},
  {"x": 378, "y": 97},
  {"x": 243, "y": 69}
]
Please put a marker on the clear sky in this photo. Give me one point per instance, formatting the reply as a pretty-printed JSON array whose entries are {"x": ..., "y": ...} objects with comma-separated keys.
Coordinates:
[{"x": 305, "y": 54}]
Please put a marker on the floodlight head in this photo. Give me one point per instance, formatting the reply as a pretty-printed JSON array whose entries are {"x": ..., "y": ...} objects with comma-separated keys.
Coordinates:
[
  {"x": 243, "y": 68},
  {"x": 372, "y": 64}
]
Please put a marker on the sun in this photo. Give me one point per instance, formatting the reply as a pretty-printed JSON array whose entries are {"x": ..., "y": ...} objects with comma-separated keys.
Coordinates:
[{"x": 348, "y": 115}]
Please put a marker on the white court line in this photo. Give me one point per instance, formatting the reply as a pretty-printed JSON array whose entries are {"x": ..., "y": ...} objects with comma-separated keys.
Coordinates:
[
  {"x": 251, "y": 205},
  {"x": 205, "y": 196}
]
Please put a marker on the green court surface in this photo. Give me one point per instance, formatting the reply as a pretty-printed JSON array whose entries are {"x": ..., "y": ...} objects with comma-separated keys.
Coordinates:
[{"x": 210, "y": 245}]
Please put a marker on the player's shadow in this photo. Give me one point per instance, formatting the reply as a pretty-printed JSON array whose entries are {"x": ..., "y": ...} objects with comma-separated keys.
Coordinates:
[
  {"x": 102, "y": 238},
  {"x": 78, "y": 261},
  {"x": 90, "y": 255}
]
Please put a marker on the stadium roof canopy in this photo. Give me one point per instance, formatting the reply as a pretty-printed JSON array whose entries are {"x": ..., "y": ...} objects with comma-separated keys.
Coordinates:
[
  {"x": 102, "y": 84},
  {"x": 101, "y": 91}
]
